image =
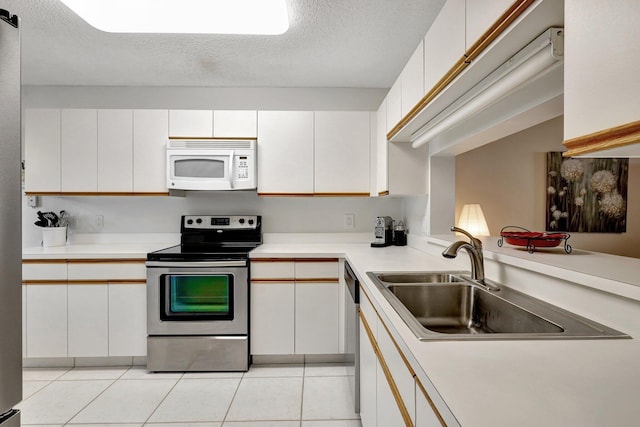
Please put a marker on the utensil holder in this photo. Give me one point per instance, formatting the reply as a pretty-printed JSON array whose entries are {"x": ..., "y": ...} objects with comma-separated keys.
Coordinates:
[{"x": 54, "y": 236}]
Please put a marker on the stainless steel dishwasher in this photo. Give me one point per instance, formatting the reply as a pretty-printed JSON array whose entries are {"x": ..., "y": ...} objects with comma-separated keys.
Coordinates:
[{"x": 352, "y": 341}]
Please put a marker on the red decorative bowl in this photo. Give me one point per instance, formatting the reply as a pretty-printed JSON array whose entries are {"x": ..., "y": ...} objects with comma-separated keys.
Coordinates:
[{"x": 532, "y": 239}]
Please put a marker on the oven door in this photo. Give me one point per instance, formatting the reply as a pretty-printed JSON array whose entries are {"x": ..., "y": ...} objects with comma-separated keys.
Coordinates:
[{"x": 197, "y": 298}]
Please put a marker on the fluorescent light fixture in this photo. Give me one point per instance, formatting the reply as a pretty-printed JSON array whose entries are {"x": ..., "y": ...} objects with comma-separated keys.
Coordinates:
[
  {"x": 472, "y": 220},
  {"x": 268, "y": 17},
  {"x": 542, "y": 55}
]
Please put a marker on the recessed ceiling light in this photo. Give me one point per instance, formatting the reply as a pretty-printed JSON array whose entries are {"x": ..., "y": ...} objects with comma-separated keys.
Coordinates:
[{"x": 184, "y": 16}]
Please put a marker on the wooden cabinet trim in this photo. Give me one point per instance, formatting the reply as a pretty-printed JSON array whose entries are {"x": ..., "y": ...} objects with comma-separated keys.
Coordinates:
[
  {"x": 106, "y": 260},
  {"x": 628, "y": 133},
  {"x": 85, "y": 282},
  {"x": 45, "y": 261},
  {"x": 501, "y": 24},
  {"x": 44, "y": 282},
  {"x": 314, "y": 194},
  {"x": 299, "y": 280},
  {"x": 214, "y": 138}
]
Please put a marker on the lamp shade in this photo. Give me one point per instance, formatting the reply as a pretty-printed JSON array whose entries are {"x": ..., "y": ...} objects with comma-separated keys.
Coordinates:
[{"x": 472, "y": 220}]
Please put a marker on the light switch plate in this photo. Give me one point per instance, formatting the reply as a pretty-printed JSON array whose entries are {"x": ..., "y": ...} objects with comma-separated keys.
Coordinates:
[{"x": 349, "y": 221}]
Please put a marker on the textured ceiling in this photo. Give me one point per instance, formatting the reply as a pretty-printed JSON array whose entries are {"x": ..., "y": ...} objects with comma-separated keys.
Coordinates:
[{"x": 330, "y": 43}]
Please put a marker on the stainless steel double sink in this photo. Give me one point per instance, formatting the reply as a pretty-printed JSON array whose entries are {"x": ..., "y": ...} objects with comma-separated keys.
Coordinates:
[{"x": 452, "y": 306}]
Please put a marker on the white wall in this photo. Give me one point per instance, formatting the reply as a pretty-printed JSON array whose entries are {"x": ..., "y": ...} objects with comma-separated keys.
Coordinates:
[
  {"x": 508, "y": 178},
  {"x": 162, "y": 214}
]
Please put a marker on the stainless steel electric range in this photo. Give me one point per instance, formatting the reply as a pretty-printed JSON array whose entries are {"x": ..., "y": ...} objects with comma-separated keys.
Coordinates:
[{"x": 198, "y": 296}]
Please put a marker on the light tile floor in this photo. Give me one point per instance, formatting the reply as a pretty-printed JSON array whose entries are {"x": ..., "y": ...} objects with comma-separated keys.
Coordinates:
[{"x": 311, "y": 395}]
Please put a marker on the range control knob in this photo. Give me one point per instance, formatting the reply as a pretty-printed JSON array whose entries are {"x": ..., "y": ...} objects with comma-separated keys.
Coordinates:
[
  {"x": 241, "y": 220},
  {"x": 250, "y": 222},
  {"x": 189, "y": 221},
  {"x": 199, "y": 220}
]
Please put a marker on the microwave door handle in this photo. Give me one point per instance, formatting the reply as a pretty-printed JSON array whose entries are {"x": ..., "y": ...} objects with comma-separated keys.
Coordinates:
[{"x": 232, "y": 156}]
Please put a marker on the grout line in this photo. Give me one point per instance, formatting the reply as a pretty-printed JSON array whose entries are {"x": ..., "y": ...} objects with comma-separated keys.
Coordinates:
[
  {"x": 163, "y": 399},
  {"x": 226, "y": 414}
]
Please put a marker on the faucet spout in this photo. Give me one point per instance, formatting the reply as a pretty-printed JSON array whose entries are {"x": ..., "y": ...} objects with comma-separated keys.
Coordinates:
[{"x": 473, "y": 249}]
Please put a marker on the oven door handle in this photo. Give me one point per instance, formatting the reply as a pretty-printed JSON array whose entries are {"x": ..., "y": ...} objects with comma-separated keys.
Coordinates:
[{"x": 180, "y": 264}]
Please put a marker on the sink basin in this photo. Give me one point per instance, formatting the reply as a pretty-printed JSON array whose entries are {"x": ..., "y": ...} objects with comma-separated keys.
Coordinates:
[{"x": 451, "y": 306}]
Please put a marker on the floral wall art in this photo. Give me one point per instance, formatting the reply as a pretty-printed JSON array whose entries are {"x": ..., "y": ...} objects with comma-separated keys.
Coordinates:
[{"x": 586, "y": 195}]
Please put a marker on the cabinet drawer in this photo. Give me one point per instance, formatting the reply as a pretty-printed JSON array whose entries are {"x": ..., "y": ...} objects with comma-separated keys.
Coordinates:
[
  {"x": 317, "y": 269},
  {"x": 55, "y": 270},
  {"x": 270, "y": 269},
  {"x": 111, "y": 270}
]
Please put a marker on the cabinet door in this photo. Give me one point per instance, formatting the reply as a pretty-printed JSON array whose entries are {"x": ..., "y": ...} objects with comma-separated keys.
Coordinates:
[
  {"x": 115, "y": 151},
  {"x": 150, "y": 134},
  {"x": 341, "y": 152},
  {"x": 316, "y": 318},
  {"x": 46, "y": 320},
  {"x": 425, "y": 415},
  {"x": 79, "y": 150},
  {"x": 387, "y": 412},
  {"x": 42, "y": 150},
  {"x": 88, "y": 321},
  {"x": 394, "y": 104},
  {"x": 601, "y": 68},
  {"x": 481, "y": 15},
  {"x": 412, "y": 77},
  {"x": 285, "y": 152},
  {"x": 444, "y": 43},
  {"x": 382, "y": 166},
  {"x": 191, "y": 123},
  {"x": 402, "y": 377},
  {"x": 368, "y": 380},
  {"x": 272, "y": 318},
  {"x": 127, "y": 319},
  {"x": 228, "y": 123}
]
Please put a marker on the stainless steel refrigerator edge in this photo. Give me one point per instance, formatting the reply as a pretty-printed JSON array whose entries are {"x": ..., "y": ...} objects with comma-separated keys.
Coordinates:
[{"x": 10, "y": 223}]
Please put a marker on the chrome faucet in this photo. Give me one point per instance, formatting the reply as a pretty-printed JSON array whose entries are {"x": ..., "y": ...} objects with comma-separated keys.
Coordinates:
[{"x": 473, "y": 248}]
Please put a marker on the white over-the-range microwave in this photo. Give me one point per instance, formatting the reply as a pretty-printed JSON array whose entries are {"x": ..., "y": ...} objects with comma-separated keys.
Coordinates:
[{"x": 211, "y": 164}]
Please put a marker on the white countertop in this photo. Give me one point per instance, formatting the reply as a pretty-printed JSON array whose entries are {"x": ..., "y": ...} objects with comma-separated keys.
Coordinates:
[{"x": 501, "y": 383}]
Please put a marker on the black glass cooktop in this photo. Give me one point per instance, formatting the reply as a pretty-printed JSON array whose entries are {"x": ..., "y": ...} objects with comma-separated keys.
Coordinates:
[{"x": 199, "y": 253}]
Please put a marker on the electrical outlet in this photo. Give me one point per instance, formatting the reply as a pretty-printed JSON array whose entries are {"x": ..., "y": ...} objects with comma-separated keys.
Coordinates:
[
  {"x": 349, "y": 221},
  {"x": 98, "y": 221},
  {"x": 32, "y": 201}
]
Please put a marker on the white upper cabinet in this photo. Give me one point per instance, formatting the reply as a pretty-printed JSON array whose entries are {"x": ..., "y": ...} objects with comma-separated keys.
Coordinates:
[
  {"x": 217, "y": 124},
  {"x": 412, "y": 78},
  {"x": 285, "y": 152},
  {"x": 382, "y": 166},
  {"x": 235, "y": 124},
  {"x": 79, "y": 150},
  {"x": 601, "y": 69},
  {"x": 150, "y": 132},
  {"x": 42, "y": 150},
  {"x": 481, "y": 15},
  {"x": 342, "y": 140},
  {"x": 444, "y": 43},
  {"x": 115, "y": 146},
  {"x": 191, "y": 123},
  {"x": 394, "y": 104}
]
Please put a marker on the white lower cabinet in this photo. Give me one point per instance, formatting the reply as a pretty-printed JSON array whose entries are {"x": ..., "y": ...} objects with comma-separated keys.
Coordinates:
[
  {"x": 127, "y": 319},
  {"x": 316, "y": 318},
  {"x": 295, "y": 307},
  {"x": 389, "y": 392},
  {"x": 80, "y": 308},
  {"x": 46, "y": 326},
  {"x": 387, "y": 411},
  {"x": 88, "y": 321},
  {"x": 272, "y": 318},
  {"x": 368, "y": 380},
  {"x": 425, "y": 415}
]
